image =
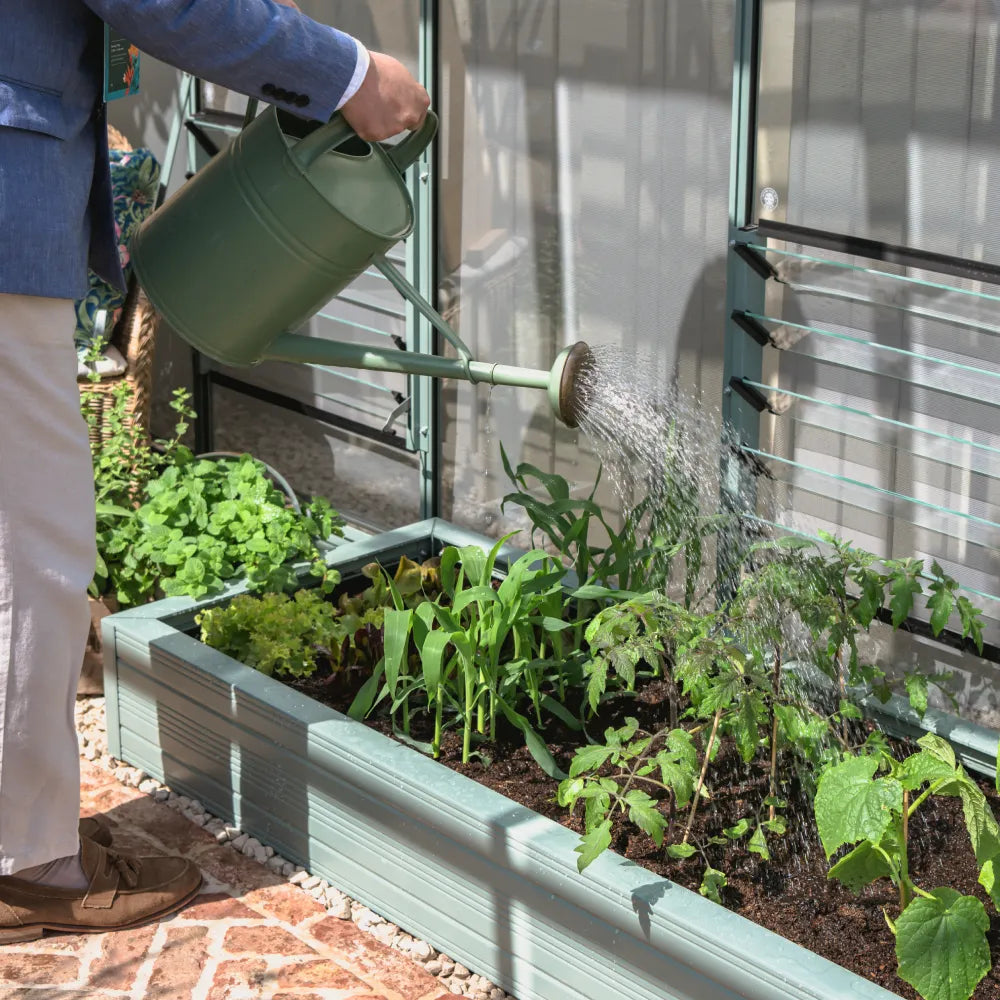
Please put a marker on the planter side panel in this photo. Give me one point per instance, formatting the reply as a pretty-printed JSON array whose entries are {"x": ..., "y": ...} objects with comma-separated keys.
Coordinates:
[{"x": 218, "y": 747}]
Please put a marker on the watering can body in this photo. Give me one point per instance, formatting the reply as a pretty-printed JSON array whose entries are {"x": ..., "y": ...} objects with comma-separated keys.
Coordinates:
[
  {"x": 270, "y": 230},
  {"x": 257, "y": 242}
]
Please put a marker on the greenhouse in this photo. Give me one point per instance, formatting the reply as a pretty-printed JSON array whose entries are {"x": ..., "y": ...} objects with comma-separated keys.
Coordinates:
[{"x": 545, "y": 469}]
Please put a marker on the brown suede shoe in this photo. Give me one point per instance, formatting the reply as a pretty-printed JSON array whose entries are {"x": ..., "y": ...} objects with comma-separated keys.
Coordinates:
[
  {"x": 94, "y": 828},
  {"x": 124, "y": 891}
]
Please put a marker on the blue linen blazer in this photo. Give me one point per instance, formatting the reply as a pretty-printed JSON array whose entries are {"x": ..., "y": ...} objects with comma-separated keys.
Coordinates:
[{"x": 55, "y": 190}]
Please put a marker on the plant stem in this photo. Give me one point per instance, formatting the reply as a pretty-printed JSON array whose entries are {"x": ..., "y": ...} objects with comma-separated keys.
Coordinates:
[
  {"x": 929, "y": 790},
  {"x": 904, "y": 861},
  {"x": 438, "y": 711},
  {"x": 470, "y": 693},
  {"x": 701, "y": 777},
  {"x": 775, "y": 693}
]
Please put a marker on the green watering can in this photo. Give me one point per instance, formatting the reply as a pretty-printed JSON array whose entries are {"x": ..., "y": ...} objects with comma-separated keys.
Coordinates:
[{"x": 272, "y": 228}]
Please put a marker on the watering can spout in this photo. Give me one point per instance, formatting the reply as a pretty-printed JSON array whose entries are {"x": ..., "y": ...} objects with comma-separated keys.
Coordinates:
[{"x": 562, "y": 383}]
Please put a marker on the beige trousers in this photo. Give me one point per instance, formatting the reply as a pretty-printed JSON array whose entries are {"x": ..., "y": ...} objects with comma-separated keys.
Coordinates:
[{"x": 47, "y": 557}]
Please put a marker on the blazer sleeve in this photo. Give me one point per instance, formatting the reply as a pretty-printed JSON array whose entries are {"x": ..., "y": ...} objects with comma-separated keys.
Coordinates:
[{"x": 257, "y": 47}]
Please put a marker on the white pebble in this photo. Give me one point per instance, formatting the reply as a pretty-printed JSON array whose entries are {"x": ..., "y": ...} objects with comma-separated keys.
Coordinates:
[
  {"x": 288, "y": 869},
  {"x": 161, "y": 794},
  {"x": 384, "y": 932},
  {"x": 460, "y": 972},
  {"x": 149, "y": 786},
  {"x": 268, "y": 851},
  {"x": 310, "y": 882},
  {"x": 238, "y": 843},
  {"x": 421, "y": 951},
  {"x": 299, "y": 876},
  {"x": 368, "y": 920},
  {"x": 341, "y": 909},
  {"x": 276, "y": 863},
  {"x": 250, "y": 845},
  {"x": 433, "y": 967},
  {"x": 221, "y": 836},
  {"x": 259, "y": 856}
]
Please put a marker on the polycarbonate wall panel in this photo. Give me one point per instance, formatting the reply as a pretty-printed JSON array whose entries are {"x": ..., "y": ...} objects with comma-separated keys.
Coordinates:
[
  {"x": 584, "y": 178},
  {"x": 879, "y": 119}
]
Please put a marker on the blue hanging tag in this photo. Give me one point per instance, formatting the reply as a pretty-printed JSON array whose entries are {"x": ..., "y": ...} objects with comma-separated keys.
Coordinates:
[{"x": 121, "y": 65}]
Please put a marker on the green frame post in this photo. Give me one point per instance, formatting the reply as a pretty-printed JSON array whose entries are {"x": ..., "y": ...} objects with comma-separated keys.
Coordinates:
[
  {"x": 743, "y": 356},
  {"x": 424, "y": 435}
]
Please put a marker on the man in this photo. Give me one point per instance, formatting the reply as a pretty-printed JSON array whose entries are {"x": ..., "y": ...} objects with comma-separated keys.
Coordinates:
[{"x": 55, "y": 214}]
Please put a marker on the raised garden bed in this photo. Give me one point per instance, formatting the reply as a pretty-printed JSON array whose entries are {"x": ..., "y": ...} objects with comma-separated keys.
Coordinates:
[{"x": 491, "y": 882}]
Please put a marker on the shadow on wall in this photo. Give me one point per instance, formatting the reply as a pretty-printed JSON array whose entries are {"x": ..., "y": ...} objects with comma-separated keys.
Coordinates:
[{"x": 596, "y": 137}]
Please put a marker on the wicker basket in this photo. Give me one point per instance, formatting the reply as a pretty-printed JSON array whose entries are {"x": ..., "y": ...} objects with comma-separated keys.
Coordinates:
[{"x": 134, "y": 335}]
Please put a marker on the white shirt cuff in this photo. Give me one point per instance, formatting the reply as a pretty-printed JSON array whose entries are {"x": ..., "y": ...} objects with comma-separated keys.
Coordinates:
[{"x": 360, "y": 72}]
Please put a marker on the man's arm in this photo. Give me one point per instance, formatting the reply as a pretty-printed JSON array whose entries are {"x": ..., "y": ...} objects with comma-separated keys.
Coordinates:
[{"x": 271, "y": 50}]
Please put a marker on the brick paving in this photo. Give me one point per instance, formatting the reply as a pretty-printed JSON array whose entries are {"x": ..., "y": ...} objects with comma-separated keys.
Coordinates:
[{"x": 249, "y": 935}]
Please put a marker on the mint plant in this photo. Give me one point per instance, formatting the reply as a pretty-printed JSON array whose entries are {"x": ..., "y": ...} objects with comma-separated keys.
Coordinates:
[
  {"x": 204, "y": 522},
  {"x": 867, "y": 803}
]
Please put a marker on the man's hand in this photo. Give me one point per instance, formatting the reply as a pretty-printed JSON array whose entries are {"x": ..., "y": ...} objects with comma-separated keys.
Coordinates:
[{"x": 389, "y": 101}]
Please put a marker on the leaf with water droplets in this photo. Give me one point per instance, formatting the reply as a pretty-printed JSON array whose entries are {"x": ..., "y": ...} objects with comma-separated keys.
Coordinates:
[
  {"x": 920, "y": 768},
  {"x": 757, "y": 844},
  {"x": 916, "y": 690},
  {"x": 941, "y": 945},
  {"x": 851, "y": 806},
  {"x": 712, "y": 884},
  {"x": 737, "y": 831},
  {"x": 680, "y": 850}
]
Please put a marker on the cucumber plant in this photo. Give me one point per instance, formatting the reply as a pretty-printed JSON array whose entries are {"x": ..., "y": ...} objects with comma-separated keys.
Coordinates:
[{"x": 867, "y": 803}]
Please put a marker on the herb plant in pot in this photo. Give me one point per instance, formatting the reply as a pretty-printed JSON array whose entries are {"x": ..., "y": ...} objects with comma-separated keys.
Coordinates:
[{"x": 170, "y": 523}]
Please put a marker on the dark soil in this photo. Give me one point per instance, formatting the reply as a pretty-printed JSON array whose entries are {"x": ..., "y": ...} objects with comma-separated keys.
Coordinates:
[{"x": 790, "y": 894}]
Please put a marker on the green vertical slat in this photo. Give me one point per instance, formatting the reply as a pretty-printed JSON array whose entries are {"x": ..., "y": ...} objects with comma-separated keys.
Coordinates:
[
  {"x": 424, "y": 429},
  {"x": 744, "y": 289},
  {"x": 743, "y": 356}
]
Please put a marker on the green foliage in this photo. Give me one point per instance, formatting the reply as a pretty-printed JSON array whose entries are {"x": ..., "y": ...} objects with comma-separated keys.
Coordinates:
[
  {"x": 124, "y": 461},
  {"x": 275, "y": 634},
  {"x": 204, "y": 522},
  {"x": 633, "y": 758},
  {"x": 171, "y": 523},
  {"x": 941, "y": 942},
  {"x": 941, "y": 945}
]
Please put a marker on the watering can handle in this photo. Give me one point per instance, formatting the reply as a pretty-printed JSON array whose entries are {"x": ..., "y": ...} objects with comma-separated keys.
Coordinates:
[
  {"x": 405, "y": 153},
  {"x": 306, "y": 151},
  {"x": 329, "y": 136}
]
